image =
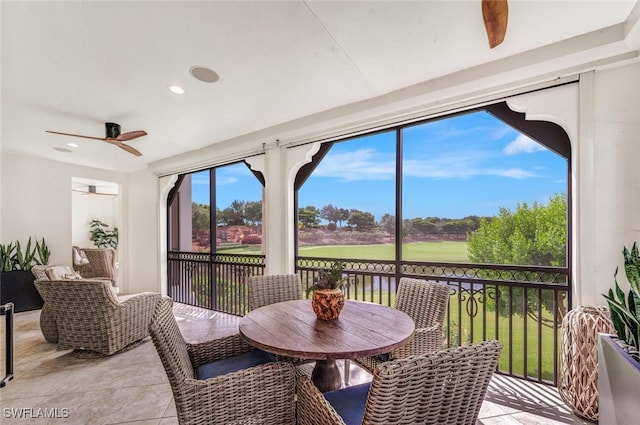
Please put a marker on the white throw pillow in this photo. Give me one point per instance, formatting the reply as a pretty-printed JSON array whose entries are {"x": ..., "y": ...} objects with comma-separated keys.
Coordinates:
[
  {"x": 59, "y": 272},
  {"x": 79, "y": 257}
]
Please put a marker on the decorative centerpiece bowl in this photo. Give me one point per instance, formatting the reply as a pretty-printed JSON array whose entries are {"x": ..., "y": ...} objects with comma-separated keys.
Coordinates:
[
  {"x": 328, "y": 299},
  {"x": 327, "y": 303}
]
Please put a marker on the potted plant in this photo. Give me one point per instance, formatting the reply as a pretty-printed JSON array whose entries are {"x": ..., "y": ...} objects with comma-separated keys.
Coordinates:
[
  {"x": 618, "y": 355},
  {"x": 101, "y": 236},
  {"x": 16, "y": 279},
  {"x": 328, "y": 299}
]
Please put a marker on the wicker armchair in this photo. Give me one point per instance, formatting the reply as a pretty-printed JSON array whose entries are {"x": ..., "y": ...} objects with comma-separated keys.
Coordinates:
[
  {"x": 261, "y": 394},
  {"x": 447, "y": 387},
  {"x": 96, "y": 263},
  {"x": 426, "y": 303},
  {"x": 85, "y": 315}
]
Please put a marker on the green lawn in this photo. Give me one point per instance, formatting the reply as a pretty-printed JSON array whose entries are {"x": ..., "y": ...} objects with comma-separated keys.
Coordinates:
[
  {"x": 445, "y": 251},
  {"x": 517, "y": 345}
]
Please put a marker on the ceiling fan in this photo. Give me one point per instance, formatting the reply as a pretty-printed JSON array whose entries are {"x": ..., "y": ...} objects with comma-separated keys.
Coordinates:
[
  {"x": 495, "y": 14},
  {"x": 92, "y": 190},
  {"x": 113, "y": 136}
]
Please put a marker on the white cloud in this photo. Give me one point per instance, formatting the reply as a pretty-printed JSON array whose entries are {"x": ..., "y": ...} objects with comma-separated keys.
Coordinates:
[
  {"x": 201, "y": 179},
  {"x": 517, "y": 173},
  {"x": 368, "y": 164},
  {"x": 361, "y": 164},
  {"x": 522, "y": 144},
  {"x": 222, "y": 181}
]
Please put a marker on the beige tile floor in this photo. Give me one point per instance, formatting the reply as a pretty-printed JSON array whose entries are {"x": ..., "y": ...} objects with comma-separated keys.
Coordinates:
[{"x": 132, "y": 388}]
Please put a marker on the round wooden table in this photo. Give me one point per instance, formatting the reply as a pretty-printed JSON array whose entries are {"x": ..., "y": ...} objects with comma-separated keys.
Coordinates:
[{"x": 291, "y": 329}]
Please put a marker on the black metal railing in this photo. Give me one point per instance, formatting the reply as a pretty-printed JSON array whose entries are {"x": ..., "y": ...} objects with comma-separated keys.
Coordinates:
[
  {"x": 212, "y": 281},
  {"x": 522, "y": 306}
]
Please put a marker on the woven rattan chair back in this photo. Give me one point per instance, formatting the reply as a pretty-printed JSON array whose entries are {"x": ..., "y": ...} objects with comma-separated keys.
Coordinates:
[
  {"x": 263, "y": 394},
  {"x": 270, "y": 289},
  {"x": 102, "y": 262},
  {"x": 447, "y": 387},
  {"x": 170, "y": 345},
  {"x": 425, "y": 302},
  {"x": 442, "y": 388}
]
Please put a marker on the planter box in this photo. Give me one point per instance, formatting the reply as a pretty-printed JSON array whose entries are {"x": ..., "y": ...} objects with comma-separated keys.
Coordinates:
[
  {"x": 618, "y": 383},
  {"x": 17, "y": 287}
]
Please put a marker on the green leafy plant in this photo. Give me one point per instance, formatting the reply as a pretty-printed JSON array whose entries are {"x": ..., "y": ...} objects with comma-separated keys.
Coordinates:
[
  {"x": 24, "y": 259},
  {"x": 331, "y": 278},
  {"x": 13, "y": 257},
  {"x": 43, "y": 252},
  {"x": 7, "y": 257},
  {"x": 625, "y": 308},
  {"x": 101, "y": 236}
]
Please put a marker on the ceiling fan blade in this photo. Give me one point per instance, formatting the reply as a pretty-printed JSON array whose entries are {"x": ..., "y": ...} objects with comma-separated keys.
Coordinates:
[
  {"x": 77, "y": 135},
  {"x": 129, "y": 149},
  {"x": 496, "y": 15},
  {"x": 131, "y": 135}
]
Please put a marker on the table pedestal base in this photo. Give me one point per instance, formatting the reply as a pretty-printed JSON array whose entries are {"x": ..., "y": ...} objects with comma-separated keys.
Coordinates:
[{"x": 326, "y": 375}]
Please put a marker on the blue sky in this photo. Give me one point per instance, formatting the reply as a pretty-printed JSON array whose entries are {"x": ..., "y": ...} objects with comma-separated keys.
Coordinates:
[{"x": 465, "y": 165}]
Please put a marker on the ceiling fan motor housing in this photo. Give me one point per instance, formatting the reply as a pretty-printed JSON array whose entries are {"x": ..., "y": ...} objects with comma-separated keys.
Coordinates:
[{"x": 113, "y": 130}]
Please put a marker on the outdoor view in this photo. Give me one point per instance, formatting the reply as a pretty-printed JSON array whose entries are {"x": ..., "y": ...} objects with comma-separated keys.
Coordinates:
[{"x": 471, "y": 190}]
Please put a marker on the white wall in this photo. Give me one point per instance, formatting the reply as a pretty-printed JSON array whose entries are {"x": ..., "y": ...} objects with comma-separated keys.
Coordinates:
[
  {"x": 86, "y": 208},
  {"x": 141, "y": 243},
  {"x": 36, "y": 201},
  {"x": 616, "y": 188}
]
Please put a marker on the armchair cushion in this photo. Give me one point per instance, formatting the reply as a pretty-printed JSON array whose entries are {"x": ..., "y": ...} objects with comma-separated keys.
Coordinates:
[
  {"x": 39, "y": 272},
  {"x": 349, "y": 402},
  {"x": 232, "y": 364},
  {"x": 59, "y": 272}
]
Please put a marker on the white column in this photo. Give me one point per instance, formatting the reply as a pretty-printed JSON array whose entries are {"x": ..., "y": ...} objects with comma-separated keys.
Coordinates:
[
  {"x": 279, "y": 166},
  {"x": 559, "y": 105},
  {"x": 165, "y": 184},
  {"x": 584, "y": 176}
]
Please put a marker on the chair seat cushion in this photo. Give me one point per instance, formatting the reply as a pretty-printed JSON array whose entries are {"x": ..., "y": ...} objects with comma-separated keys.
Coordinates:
[
  {"x": 349, "y": 402},
  {"x": 384, "y": 357},
  {"x": 233, "y": 364}
]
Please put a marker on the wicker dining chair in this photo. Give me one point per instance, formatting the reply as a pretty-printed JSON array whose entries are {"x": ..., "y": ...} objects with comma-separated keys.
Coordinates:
[
  {"x": 271, "y": 289},
  {"x": 443, "y": 388},
  {"x": 426, "y": 303},
  {"x": 275, "y": 288},
  {"x": 86, "y": 316},
  {"x": 222, "y": 381}
]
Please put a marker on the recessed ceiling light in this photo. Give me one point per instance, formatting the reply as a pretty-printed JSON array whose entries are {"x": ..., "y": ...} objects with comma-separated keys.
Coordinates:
[
  {"x": 176, "y": 89},
  {"x": 63, "y": 150},
  {"x": 204, "y": 74},
  {"x": 73, "y": 145}
]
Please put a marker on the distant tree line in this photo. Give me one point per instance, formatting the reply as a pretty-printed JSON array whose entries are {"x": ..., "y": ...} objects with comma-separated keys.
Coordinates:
[
  {"x": 363, "y": 221},
  {"x": 249, "y": 213},
  {"x": 239, "y": 213}
]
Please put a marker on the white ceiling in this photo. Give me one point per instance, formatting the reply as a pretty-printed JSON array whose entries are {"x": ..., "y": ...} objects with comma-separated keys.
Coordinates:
[{"x": 71, "y": 66}]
